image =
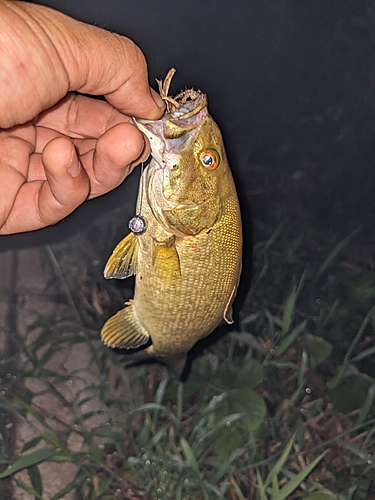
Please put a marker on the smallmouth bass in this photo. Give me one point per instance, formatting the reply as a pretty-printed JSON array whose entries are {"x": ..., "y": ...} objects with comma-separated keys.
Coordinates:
[{"x": 185, "y": 247}]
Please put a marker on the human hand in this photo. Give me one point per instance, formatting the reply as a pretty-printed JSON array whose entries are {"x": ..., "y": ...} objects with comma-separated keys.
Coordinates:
[{"x": 57, "y": 148}]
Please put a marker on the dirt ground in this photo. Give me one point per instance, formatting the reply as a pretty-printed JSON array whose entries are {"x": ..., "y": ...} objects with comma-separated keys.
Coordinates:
[{"x": 24, "y": 274}]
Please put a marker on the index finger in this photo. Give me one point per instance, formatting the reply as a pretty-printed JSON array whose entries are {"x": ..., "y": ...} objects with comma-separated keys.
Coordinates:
[
  {"x": 54, "y": 54},
  {"x": 98, "y": 62}
]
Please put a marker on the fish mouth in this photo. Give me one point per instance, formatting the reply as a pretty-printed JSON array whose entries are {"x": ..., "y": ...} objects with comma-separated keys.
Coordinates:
[
  {"x": 189, "y": 116},
  {"x": 174, "y": 130}
]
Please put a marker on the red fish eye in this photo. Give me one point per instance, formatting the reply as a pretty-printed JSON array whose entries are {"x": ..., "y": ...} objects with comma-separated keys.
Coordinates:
[{"x": 209, "y": 159}]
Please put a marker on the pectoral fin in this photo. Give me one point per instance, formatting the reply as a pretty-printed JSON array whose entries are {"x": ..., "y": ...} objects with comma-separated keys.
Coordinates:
[
  {"x": 165, "y": 257},
  {"x": 123, "y": 261},
  {"x": 123, "y": 330}
]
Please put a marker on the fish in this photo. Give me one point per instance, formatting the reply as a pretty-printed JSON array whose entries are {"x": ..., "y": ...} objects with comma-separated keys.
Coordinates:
[{"x": 185, "y": 242}]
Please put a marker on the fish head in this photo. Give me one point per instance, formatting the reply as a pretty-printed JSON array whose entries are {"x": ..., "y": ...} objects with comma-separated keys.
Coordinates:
[{"x": 183, "y": 182}]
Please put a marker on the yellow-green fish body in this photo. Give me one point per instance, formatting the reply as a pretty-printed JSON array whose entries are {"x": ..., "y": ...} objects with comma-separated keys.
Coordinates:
[{"x": 187, "y": 262}]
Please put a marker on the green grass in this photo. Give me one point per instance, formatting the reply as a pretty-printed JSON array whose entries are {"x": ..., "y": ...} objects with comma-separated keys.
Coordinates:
[{"x": 282, "y": 408}]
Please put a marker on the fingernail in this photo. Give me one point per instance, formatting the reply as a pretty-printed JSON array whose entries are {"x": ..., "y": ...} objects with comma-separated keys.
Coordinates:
[
  {"x": 159, "y": 101},
  {"x": 74, "y": 166}
]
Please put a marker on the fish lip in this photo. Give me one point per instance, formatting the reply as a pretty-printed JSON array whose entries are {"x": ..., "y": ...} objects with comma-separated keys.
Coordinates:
[
  {"x": 171, "y": 132},
  {"x": 189, "y": 109}
]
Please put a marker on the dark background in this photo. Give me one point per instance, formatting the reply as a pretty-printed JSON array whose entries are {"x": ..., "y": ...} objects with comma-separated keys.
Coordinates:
[{"x": 291, "y": 84}]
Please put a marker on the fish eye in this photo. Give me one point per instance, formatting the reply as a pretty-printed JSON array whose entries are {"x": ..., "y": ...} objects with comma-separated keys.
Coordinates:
[{"x": 209, "y": 159}]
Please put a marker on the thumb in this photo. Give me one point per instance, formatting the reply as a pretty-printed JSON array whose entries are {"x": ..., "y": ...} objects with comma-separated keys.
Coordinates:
[{"x": 54, "y": 54}]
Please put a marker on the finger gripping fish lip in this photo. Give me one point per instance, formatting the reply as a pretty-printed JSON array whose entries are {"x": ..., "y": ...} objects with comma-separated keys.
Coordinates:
[{"x": 163, "y": 133}]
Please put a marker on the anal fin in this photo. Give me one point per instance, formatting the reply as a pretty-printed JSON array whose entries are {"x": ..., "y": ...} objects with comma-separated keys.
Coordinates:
[{"x": 123, "y": 330}]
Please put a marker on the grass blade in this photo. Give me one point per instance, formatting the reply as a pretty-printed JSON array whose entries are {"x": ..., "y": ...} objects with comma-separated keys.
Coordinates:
[
  {"x": 367, "y": 406},
  {"x": 291, "y": 485},
  {"x": 338, "y": 248},
  {"x": 290, "y": 338},
  {"x": 36, "y": 479},
  {"x": 277, "y": 467},
  {"x": 288, "y": 311},
  {"x": 364, "y": 354},
  {"x": 189, "y": 455},
  {"x": 28, "y": 460},
  {"x": 290, "y": 304},
  {"x": 356, "y": 339},
  {"x": 69, "y": 487},
  {"x": 261, "y": 487}
]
